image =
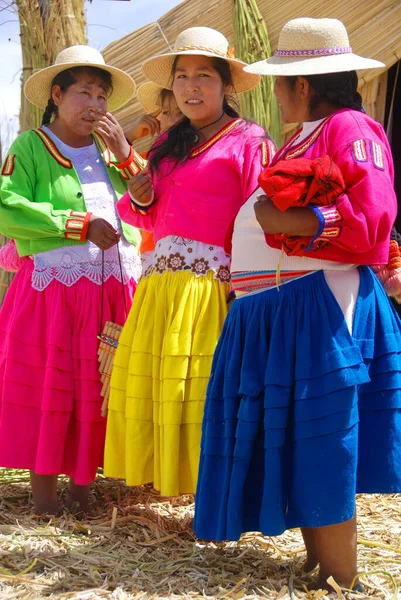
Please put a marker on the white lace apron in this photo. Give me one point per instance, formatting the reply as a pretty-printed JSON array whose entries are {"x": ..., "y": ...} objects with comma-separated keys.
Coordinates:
[{"x": 69, "y": 263}]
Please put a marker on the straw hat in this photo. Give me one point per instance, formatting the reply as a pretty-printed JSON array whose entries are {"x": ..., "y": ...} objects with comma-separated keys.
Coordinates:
[
  {"x": 312, "y": 47},
  {"x": 38, "y": 87},
  {"x": 199, "y": 41},
  {"x": 149, "y": 95}
]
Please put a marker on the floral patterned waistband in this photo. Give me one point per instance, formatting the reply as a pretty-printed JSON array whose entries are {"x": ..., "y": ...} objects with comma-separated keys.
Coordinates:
[{"x": 174, "y": 254}]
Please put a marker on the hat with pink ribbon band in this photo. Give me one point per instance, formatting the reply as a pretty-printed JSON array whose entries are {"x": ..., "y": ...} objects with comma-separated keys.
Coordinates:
[{"x": 310, "y": 47}]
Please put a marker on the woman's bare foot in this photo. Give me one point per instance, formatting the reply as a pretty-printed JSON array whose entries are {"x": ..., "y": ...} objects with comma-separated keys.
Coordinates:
[
  {"x": 312, "y": 554},
  {"x": 311, "y": 563},
  {"x": 77, "y": 500},
  {"x": 337, "y": 550},
  {"x": 47, "y": 509},
  {"x": 321, "y": 584},
  {"x": 44, "y": 494}
]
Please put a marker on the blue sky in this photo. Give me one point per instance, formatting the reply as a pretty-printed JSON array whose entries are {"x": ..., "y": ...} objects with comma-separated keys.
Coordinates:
[{"x": 107, "y": 20}]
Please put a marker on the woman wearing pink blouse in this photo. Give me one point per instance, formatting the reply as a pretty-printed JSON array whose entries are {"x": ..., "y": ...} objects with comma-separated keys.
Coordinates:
[{"x": 200, "y": 174}]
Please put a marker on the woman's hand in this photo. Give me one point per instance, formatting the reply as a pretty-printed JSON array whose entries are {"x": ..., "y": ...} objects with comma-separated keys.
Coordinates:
[
  {"x": 145, "y": 125},
  {"x": 111, "y": 131},
  {"x": 101, "y": 233},
  {"x": 267, "y": 214},
  {"x": 294, "y": 221},
  {"x": 140, "y": 188}
]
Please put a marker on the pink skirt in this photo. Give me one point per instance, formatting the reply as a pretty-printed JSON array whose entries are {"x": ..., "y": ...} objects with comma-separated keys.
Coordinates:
[{"x": 50, "y": 401}]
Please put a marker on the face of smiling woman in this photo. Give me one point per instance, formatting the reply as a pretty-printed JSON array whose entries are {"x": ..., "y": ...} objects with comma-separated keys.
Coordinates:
[
  {"x": 74, "y": 122},
  {"x": 198, "y": 89}
]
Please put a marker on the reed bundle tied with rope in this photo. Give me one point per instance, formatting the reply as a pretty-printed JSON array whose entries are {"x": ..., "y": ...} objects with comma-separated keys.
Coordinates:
[
  {"x": 252, "y": 44},
  {"x": 107, "y": 349},
  {"x": 46, "y": 28}
]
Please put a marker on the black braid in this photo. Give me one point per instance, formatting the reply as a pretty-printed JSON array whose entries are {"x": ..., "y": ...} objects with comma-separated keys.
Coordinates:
[
  {"x": 336, "y": 88},
  {"x": 50, "y": 109}
]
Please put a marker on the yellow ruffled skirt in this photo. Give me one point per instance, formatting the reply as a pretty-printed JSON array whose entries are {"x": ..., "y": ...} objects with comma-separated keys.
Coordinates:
[{"x": 159, "y": 380}]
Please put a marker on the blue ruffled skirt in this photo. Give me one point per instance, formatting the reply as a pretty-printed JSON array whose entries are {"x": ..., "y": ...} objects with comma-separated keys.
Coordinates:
[{"x": 300, "y": 416}]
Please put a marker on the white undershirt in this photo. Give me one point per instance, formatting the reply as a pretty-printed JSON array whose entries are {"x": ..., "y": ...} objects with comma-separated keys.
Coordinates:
[
  {"x": 251, "y": 253},
  {"x": 307, "y": 128}
]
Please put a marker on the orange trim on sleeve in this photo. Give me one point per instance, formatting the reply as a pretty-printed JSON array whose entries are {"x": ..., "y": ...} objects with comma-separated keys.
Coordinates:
[
  {"x": 73, "y": 236},
  {"x": 85, "y": 228},
  {"x": 128, "y": 161},
  {"x": 137, "y": 210},
  {"x": 132, "y": 166},
  {"x": 77, "y": 226},
  {"x": 132, "y": 169},
  {"x": 9, "y": 165}
]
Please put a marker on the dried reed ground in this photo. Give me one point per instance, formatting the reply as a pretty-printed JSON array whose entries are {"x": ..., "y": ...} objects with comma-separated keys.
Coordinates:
[{"x": 137, "y": 545}]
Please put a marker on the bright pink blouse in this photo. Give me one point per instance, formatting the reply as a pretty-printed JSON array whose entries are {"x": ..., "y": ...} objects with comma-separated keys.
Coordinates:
[
  {"x": 356, "y": 228},
  {"x": 200, "y": 198}
]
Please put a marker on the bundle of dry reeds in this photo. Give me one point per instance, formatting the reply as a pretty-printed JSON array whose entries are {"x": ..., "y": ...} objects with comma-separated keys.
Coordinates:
[
  {"x": 46, "y": 28},
  {"x": 252, "y": 44}
]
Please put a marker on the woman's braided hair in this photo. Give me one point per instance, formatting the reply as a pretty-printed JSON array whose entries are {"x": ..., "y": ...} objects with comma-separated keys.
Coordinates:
[
  {"x": 340, "y": 89},
  {"x": 49, "y": 110},
  {"x": 67, "y": 78}
]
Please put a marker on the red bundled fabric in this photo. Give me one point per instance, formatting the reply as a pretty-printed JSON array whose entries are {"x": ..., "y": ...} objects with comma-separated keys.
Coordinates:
[
  {"x": 302, "y": 181},
  {"x": 299, "y": 182}
]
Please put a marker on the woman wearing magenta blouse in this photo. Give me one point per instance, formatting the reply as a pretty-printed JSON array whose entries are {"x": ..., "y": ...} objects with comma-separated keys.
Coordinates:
[{"x": 200, "y": 173}]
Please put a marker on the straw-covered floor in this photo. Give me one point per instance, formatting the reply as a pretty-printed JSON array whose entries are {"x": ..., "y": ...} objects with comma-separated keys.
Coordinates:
[{"x": 136, "y": 545}]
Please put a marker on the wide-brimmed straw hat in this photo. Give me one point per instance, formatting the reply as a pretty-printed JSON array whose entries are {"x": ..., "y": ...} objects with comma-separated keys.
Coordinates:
[
  {"x": 312, "y": 47},
  {"x": 199, "y": 41},
  {"x": 38, "y": 87},
  {"x": 149, "y": 95}
]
